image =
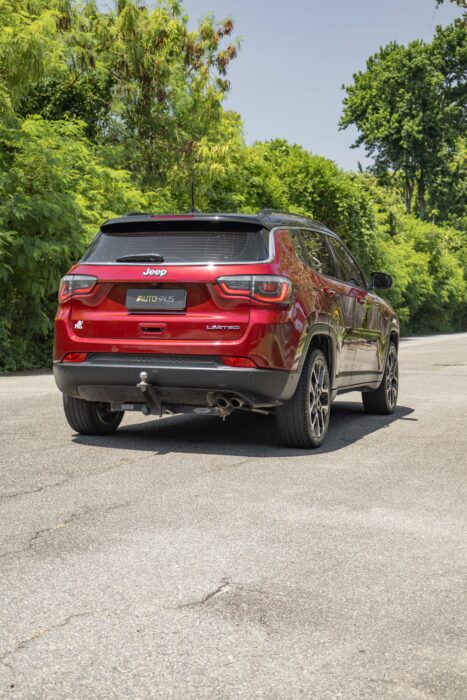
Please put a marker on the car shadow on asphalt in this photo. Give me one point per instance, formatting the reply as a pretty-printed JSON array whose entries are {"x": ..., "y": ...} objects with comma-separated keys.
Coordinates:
[{"x": 242, "y": 434}]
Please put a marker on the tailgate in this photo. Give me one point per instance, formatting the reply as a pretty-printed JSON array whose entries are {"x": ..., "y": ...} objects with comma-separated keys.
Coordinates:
[{"x": 134, "y": 301}]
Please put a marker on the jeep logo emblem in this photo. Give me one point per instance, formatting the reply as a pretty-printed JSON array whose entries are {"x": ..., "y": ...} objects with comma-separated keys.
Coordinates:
[{"x": 157, "y": 273}]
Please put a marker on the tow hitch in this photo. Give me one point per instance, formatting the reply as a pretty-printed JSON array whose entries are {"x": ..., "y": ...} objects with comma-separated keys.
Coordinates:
[
  {"x": 153, "y": 402},
  {"x": 205, "y": 403}
]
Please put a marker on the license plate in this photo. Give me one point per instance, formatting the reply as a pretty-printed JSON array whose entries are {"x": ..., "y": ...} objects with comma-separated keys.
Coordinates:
[{"x": 156, "y": 299}]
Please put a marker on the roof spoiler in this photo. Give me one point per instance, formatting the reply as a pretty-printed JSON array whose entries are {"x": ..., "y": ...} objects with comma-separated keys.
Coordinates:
[{"x": 137, "y": 223}]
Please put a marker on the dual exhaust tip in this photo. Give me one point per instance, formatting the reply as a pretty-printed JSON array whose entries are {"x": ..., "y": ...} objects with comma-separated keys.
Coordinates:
[
  {"x": 228, "y": 402},
  {"x": 225, "y": 403}
]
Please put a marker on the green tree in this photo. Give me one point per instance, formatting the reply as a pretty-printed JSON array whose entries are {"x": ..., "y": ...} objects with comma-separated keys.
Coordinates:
[
  {"x": 30, "y": 44},
  {"x": 409, "y": 109},
  {"x": 169, "y": 86},
  {"x": 149, "y": 90}
]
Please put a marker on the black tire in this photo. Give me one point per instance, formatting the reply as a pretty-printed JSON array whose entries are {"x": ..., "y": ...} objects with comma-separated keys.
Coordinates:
[
  {"x": 304, "y": 420},
  {"x": 383, "y": 400},
  {"x": 91, "y": 417}
]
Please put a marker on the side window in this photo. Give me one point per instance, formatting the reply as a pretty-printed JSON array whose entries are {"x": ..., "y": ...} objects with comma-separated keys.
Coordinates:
[
  {"x": 296, "y": 239},
  {"x": 349, "y": 271},
  {"x": 317, "y": 253}
]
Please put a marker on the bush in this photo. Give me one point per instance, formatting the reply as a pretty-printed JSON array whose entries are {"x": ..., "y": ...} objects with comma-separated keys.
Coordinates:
[{"x": 54, "y": 195}]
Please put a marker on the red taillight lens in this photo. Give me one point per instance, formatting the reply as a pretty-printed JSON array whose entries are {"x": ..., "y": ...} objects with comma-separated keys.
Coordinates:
[
  {"x": 240, "y": 285},
  {"x": 75, "y": 357},
  {"x": 275, "y": 289},
  {"x": 75, "y": 285},
  {"x": 238, "y": 362},
  {"x": 271, "y": 289}
]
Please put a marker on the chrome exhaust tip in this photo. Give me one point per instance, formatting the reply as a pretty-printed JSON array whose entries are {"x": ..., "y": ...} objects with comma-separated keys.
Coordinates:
[{"x": 221, "y": 401}]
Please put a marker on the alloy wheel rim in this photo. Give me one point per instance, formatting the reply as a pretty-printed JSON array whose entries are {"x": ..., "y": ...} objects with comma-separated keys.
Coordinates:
[
  {"x": 319, "y": 398},
  {"x": 392, "y": 378}
]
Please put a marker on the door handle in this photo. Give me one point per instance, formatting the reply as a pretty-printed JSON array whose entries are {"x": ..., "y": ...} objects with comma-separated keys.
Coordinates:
[{"x": 329, "y": 291}]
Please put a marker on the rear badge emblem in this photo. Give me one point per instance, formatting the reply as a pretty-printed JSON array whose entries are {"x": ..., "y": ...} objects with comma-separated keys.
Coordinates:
[
  {"x": 157, "y": 273},
  {"x": 78, "y": 326},
  {"x": 222, "y": 328}
]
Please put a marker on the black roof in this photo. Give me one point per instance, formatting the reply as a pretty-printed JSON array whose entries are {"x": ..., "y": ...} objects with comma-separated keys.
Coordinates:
[{"x": 267, "y": 218}]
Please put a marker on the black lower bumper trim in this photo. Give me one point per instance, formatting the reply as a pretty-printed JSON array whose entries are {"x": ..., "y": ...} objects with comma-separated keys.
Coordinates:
[{"x": 117, "y": 383}]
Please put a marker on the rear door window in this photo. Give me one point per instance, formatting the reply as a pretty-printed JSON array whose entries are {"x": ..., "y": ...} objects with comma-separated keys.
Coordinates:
[
  {"x": 178, "y": 246},
  {"x": 316, "y": 253}
]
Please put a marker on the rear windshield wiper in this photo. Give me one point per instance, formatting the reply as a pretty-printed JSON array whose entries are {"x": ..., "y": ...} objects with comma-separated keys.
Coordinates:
[{"x": 142, "y": 257}]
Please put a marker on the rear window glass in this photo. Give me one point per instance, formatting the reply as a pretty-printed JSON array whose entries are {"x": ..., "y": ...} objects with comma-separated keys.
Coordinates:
[{"x": 180, "y": 246}]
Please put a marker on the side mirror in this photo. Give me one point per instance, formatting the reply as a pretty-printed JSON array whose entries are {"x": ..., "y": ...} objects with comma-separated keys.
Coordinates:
[{"x": 381, "y": 280}]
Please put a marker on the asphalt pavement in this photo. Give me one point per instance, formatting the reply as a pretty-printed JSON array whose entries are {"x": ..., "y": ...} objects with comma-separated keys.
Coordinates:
[{"x": 185, "y": 557}]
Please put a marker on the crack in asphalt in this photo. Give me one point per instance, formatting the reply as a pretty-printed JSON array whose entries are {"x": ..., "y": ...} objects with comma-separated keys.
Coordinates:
[
  {"x": 43, "y": 531},
  {"x": 40, "y": 633},
  {"x": 85, "y": 510},
  {"x": 69, "y": 477},
  {"x": 225, "y": 584},
  {"x": 37, "y": 490}
]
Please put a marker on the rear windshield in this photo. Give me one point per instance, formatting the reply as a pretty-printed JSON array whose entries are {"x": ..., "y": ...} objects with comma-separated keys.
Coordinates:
[{"x": 180, "y": 246}]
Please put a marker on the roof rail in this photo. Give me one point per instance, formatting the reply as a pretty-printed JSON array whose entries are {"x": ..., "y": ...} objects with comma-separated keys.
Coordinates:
[
  {"x": 292, "y": 217},
  {"x": 282, "y": 212}
]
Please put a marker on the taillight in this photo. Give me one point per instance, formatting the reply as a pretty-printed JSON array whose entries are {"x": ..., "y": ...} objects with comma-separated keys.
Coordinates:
[
  {"x": 265, "y": 288},
  {"x": 276, "y": 289},
  {"x": 75, "y": 357},
  {"x": 236, "y": 286},
  {"x": 74, "y": 285},
  {"x": 238, "y": 362}
]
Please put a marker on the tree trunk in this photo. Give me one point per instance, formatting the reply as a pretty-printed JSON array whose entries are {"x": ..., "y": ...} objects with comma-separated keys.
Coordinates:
[
  {"x": 421, "y": 197},
  {"x": 409, "y": 185}
]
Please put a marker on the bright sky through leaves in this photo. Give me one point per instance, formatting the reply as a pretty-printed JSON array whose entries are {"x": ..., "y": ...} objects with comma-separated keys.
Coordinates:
[{"x": 286, "y": 81}]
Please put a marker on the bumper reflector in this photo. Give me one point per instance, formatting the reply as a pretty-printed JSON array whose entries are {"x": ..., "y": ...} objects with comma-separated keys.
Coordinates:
[
  {"x": 238, "y": 362},
  {"x": 75, "y": 357}
]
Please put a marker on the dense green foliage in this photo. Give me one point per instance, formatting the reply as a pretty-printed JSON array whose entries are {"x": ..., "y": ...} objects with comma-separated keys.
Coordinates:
[
  {"x": 107, "y": 112},
  {"x": 409, "y": 109}
]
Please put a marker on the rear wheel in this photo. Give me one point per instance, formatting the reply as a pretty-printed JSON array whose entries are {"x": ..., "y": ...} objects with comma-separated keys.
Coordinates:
[
  {"x": 91, "y": 417},
  {"x": 303, "y": 421},
  {"x": 383, "y": 401}
]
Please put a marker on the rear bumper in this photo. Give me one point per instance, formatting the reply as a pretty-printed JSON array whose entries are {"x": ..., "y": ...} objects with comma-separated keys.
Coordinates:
[{"x": 177, "y": 384}]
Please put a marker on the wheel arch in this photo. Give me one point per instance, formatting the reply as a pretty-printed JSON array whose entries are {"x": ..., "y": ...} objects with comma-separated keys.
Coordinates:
[{"x": 322, "y": 337}]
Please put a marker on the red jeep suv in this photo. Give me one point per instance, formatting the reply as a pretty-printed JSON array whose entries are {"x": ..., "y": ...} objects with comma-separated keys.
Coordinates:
[{"x": 211, "y": 313}]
